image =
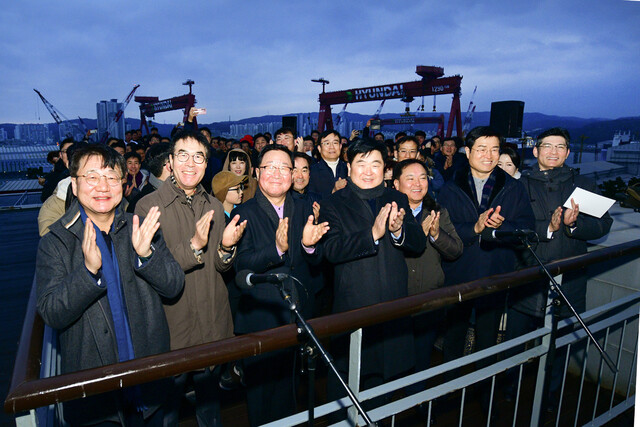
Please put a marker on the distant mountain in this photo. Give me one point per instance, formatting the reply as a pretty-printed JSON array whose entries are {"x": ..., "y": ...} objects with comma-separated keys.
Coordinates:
[{"x": 596, "y": 129}]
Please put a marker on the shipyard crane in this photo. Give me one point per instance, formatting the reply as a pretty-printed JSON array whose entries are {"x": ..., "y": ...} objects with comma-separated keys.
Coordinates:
[
  {"x": 432, "y": 82},
  {"x": 379, "y": 110},
  {"x": 321, "y": 80},
  {"x": 56, "y": 114},
  {"x": 118, "y": 115},
  {"x": 150, "y": 105},
  {"x": 469, "y": 116}
]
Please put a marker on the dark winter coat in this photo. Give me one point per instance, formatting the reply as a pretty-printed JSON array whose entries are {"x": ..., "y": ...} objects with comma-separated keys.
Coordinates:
[
  {"x": 262, "y": 306},
  {"x": 321, "y": 179},
  {"x": 483, "y": 255},
  {"x": 547, "y": 190},
  {"x": 70, "y": 301},
  {"x": 58, "y": 173},
  {"x": 366, "y": 273},
  {"x": 459, "y": 162}
]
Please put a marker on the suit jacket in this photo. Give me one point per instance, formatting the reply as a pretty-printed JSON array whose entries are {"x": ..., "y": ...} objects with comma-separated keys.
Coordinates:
[
  {"x": 70, "y": 301},
  {"x": 425, "y": 268},
  {"x": 367, "y": 273},
  {"x": 262, "y": 306},
  {"x": 321, "y": 178}
]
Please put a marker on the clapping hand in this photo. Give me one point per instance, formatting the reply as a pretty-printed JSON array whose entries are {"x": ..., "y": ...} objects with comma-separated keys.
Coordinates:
[
  {"x": 556, "y": 220},
  {"x": 90, "y": 250},
  {"x": 312, "y": 233},
  {"x": 201, "y": 238},
  {"x": 571, "y": 215},
  {"x": 282, "y": 235},
  {"x": 142, "y": 235},
  {"x": 396, "y": 218},
  {"x": 233, "y": 232},
  {"x": 431, "y": 225},
  {"x": 495, "y": 220}
]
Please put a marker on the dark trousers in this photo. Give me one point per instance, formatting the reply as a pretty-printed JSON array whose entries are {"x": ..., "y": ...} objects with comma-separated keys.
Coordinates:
[
  {"x": 269, "y": 379},
  {"x": 425, "y": 332},
  {"x": 135, "y": 419},
  {"x": 488, "y": 312},
  {"x": 486, "y": 328},
  {"x": 519, "y": 323},
  {"x": 207, "y": 391}
]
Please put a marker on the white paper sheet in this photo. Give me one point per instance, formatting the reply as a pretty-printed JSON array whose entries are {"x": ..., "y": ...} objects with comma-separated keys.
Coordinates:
[{"x": 590, "y": 203}]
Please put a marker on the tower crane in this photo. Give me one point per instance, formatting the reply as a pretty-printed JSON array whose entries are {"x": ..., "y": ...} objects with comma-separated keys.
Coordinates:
[
  {"x": 56, "y": 114},
  {"x": 119, "y": 114},
  {"x": 469, "y": 116}
]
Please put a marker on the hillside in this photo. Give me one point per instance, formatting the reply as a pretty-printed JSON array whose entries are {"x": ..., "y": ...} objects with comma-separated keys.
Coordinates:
[{"x": 533, "y": 123}]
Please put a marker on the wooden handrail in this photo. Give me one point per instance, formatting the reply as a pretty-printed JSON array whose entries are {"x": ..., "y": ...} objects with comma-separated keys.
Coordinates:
[{"x": 28, "y": 391}]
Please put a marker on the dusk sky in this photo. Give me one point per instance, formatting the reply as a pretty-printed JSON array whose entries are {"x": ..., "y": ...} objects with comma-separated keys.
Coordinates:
[{"x": 571, "y": 57}]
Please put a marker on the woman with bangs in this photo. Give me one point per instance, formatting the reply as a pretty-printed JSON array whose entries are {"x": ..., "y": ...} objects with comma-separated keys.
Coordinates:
[{"x": 239, "y": 163}]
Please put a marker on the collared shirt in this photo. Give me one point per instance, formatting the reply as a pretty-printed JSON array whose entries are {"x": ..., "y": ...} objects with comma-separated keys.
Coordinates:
[{"x": 417, "y": 210}]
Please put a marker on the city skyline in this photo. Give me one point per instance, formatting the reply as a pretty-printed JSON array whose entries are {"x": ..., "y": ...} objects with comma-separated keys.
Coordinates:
[{"x": 252, "y": 59}]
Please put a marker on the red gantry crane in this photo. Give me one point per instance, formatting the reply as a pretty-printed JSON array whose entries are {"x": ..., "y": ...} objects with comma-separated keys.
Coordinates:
[
  {"x": 150, "y": 105},
  {"x": 432, "y": 83}
]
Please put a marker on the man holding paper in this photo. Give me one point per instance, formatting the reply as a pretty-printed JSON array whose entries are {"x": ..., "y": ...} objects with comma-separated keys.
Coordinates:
[
  {"x": 562, "y": 227},
  {"x": 563, "y": 232}
]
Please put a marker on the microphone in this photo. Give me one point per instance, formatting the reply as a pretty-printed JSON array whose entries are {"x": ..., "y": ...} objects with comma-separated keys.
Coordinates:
[
  {"x": 500, "y": 234},
  {"x": 247, "y": 279}
]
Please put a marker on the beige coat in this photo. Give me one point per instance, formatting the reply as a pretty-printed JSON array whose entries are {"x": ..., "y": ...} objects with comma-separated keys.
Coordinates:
[{"x": 201, "y": 313}]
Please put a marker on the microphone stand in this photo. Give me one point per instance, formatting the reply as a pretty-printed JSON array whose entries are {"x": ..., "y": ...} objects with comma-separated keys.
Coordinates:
[
  {"x": 312, "y": 344},
  {"x": 559, "y": 298}
]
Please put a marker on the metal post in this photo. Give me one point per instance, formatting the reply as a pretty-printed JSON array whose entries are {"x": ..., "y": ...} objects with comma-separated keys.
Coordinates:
[
  {"x": 538, "y": 396},
  {"x": 355, "y": 353}
]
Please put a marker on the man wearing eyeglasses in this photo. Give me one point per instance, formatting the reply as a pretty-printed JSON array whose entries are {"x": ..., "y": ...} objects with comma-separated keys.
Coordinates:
[
  {"x": 563, "y": 232},
  {"x": 281, "y": 237},
  {"x": 194, "y": 227},
  {"x": 100, "y": 274},
  {"x": 481, "y": 199},
  {"x": 287, "y": 137},
  {"x": 330, "y": 173}
]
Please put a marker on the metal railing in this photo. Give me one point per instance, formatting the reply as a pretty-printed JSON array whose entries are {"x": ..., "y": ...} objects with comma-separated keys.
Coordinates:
[
  {"x": 25, "y": 199},
  {"x": 28, "y": 391}
]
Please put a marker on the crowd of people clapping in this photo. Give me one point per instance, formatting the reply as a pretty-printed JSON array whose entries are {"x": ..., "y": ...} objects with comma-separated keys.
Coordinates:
[{"x": 145, "y": 260}]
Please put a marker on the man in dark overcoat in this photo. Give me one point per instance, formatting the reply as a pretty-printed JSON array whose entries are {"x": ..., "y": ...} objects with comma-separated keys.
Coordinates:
[
  {"x": 370, "y": 228},
  {"x": 281, "y": 237}
]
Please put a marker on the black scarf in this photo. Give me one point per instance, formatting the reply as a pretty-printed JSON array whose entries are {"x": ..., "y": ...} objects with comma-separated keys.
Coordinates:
[{"x": 367, "y": 195}]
